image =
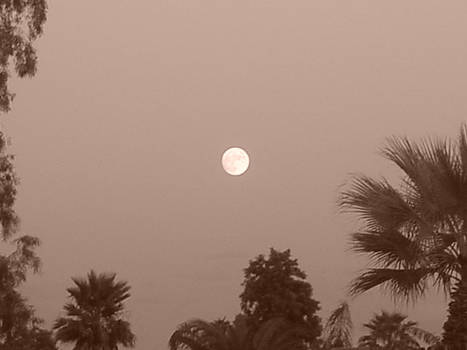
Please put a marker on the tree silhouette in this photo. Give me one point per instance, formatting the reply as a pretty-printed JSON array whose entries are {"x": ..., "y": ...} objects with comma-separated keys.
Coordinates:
[
  {"x": 391, "y": 331},
  {"x": 275, "y": 287},
  {"x": 415, "y": 235},
  {"x": 21, "y": 23},
  {"x": 16, "y": 317},
  {"x": 455, "y": 328},
  {"x": 274, "y": 334},
  {"x": 94, "y": 317},
  {"x": 19, "y": 328},
  {"x": 338, "y": 328}
]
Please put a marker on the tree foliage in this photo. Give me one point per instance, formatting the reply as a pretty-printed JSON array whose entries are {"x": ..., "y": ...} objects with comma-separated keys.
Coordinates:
[
  {"x": 415, "y": 235},
  {"x": 13, "y": 266},
  {"x": 19, "y": 328},
  {"x": 94, "y": 317},
  {"x": 455, "y": 328},
  {"x": 275, "y": 287},
  {"x": 21, "y": 23},
  {"x": 275, "y": 334},
  {"x": 338, "y": 328},
  {"x": 391, "y": 331}
]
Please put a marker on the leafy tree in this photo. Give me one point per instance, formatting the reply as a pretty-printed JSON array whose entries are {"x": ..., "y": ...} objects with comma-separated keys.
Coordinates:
[
  {"x": 8, "y": 182},
  {"x": 274, "y": 334},
  {"x": 455, "y": 328},
  {"x": 14, "y": 266},
  {"x": 18, "y": 326},
  {"x": 94, "y": 317},
  {"x": 20, "y": 329},
  {"x": 275, "y": 287},
  {"x": 390, "y": 331},
  {"x": 415, "y": 235},
  {"x": 338, "y": 329},
  {"x": 21, "y": 23}
]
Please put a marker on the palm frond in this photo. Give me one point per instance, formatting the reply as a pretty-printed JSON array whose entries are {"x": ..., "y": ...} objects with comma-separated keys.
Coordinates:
[
  {"x": 377, "y": 203},
  {"x": 339, "y": 327},
  {"x": 387, "y": 248},
  {"x": 264, "y": 336},
  {"x": 416, "y": 229},
  {"x": 423, "y": 335},
  {"x": 434, "y": 173},
  {"x": 94, "y": 315},
  {"x": 198, "y": 334},
  {"x": 407, "y": 284},
  {"x": 393, "y": 331},
  {"x": 463, "y": 150},
  {"x": 280, "y": 334},
  {"x": 179, "y": 341}
]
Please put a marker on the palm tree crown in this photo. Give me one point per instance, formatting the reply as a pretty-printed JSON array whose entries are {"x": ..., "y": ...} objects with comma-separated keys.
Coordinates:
[
  {"x": 94, "y": 317},
  {"x": 274, "y": 334},
  {"x": 338, "y": 329},
  {"x": 390, "y": 331},
  {"x": 416, "y": 233}
]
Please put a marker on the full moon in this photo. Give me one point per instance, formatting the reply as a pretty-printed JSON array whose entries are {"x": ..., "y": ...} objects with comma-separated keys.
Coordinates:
[{"x": 235, "y": 161}]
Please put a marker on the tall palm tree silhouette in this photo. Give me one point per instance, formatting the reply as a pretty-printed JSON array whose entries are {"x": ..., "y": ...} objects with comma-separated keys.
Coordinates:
[
  {"x": 94, "y": 317},
  {"x": 416, "y": 234}
]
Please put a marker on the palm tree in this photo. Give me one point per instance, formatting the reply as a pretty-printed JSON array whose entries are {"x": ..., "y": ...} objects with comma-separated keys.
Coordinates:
[
  {"x": 274, "y": 334},
  {"x": 94, "y": 318},
  {"x": 338, "y": 329},
  {"x": 198, "y": 334},
  {"x": 390, "y": 331},
  {"x": 415, "y": 235}
]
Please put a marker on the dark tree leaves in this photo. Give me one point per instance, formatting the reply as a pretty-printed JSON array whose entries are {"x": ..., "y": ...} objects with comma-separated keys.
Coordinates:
[
  {"x": 13, "y": 267},
  {"x": 19, "y": 328},
  {"x": 94, "y": 316},
  {"x": 21, "y": 23},
  {"x": 8, "y": 182},
  {"x": 455, "y": 328},
  {"x": 338, "y": 329},
  {"x": 276, "y": 287},
  {"x": 388, "y": 331}
]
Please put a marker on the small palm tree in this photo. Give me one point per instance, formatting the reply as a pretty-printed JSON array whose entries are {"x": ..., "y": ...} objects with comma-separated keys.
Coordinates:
[
  {"x": 94, "y": 318},
  {"x": 416, "y": 235},
  {"x": 280, "y": 334},
  {"x": 390, "y": 331},
  {"x": 338, "y": 329},
  {"x": 275, "y": 334}
]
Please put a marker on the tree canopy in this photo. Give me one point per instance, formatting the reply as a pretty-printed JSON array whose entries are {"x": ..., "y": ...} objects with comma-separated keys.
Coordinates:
[
  {"x": 415, "y": 234},
  {"x": 275, "y": 286},
  {"x": 19, "y": 328},
  {"x": 94, "y": 316},
  {"x": 391, "y": 331},
  {"x": 21, "y": 23},
  {"x": 455, "y": 328},
  {"x": 275, "y": 334}
]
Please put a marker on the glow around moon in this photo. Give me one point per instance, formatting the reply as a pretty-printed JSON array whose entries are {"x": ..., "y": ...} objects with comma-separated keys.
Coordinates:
[{"x": 235, "y": 161}]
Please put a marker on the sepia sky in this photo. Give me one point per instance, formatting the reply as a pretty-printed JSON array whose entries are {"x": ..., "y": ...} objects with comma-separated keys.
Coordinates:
[{"x": 119, "y": 139}]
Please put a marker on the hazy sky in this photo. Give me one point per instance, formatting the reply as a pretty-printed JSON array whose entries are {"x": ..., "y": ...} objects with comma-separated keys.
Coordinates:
[{"x": 119, "y": 138}]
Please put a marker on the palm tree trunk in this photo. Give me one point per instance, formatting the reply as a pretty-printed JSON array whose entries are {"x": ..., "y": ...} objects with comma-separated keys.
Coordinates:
[{"x": 455, "y": 328}]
